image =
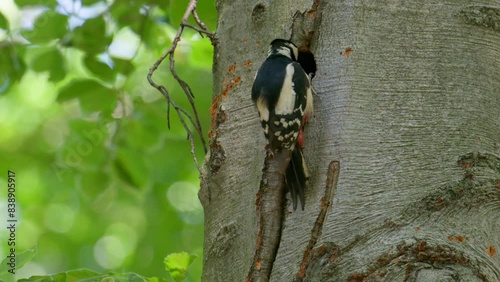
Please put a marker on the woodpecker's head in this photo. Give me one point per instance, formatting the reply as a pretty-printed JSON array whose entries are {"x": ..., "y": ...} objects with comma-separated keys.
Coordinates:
[{"x": 285, "y": 48}]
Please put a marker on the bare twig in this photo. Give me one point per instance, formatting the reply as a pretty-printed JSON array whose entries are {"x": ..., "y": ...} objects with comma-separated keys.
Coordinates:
[
  {"x": 200, "y": 23},
  {"x": 199, "y": 30},
  {"x": 193, "y": 119},
  {"x": 332, "y": 177}
]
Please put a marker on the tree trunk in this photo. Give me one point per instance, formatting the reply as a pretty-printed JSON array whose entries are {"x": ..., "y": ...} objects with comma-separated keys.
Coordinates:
[{"x": 408, "y": 102}]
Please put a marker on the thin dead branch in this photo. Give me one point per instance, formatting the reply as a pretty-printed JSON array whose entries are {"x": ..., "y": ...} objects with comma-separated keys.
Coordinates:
[
  {"x": 332, "y": 178},
  {"x": 192, "y": 119}
]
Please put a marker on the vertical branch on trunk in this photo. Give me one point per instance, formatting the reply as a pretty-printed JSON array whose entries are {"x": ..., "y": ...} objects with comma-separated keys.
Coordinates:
[
  {"x": 270, "y": 214},
  {"x": 332, "y": 178}
]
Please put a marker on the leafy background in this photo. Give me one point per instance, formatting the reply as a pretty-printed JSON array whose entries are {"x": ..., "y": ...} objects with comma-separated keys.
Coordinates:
[{"x": 102, "y": 183}]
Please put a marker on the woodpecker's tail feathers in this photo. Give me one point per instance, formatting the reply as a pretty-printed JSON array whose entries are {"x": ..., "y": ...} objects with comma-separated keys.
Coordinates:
[{"x": 296, "y": 176}]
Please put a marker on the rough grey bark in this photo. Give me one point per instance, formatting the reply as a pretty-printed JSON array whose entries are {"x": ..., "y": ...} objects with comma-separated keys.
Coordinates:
[{"x": 408, "y": 103}]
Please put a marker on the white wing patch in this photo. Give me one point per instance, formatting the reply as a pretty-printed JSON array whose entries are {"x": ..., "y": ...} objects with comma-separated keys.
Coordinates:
[
  {"x": 286, "y": 102},
  {"x": 294, "y": 50},
  {"x": 262, "y": 108}
]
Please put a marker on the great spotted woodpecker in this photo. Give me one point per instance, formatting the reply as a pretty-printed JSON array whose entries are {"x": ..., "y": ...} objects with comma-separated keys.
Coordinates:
[{"x": 283, "y": 95}]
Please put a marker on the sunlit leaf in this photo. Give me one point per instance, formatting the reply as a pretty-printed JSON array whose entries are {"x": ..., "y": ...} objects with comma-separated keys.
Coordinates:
[
  {"x": 92, "y": 95},
  {"x": 24, "y": 257},
  {"x": 91, "y": 36},
  {"x": 21, "y": 259},
  {"x": 177, "y": 264},
  {"x": 125, "y": 44},
  {"x": 51, "y": 61},
  {"x": 48, "y": 26},
  {"x": 131, "y": 167}
]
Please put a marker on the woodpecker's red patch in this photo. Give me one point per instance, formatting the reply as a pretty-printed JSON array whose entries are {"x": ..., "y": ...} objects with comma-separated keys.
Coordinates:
[{"x": 300, "y": 139}]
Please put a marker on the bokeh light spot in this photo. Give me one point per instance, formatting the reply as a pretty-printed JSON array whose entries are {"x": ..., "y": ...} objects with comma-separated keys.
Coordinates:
[
  {"x": 183, "y": 196},
  {"x": 59, "y": 218},
  {"x": 126, "y": 235},
  {"x": 109, "y": 252}
]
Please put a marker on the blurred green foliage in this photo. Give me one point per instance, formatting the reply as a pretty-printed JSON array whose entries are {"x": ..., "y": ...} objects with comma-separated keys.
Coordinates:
[{"x": 104, "y": 190}]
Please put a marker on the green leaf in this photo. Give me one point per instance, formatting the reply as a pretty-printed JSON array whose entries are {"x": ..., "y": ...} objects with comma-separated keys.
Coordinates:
[
  {"x": 48, "y": 26},
  {"x": 120, "y": 8},
  {"x": 131, "y": 167},
  {"x": 86, "y": 275},
  {"x": 91, "y": 36},
  {"x": 85, "y": 147},
  {"x": 128, "y": 14},
  {"x": 24, "y": 257},
  {"x": 21, "y": 259},
  {"x": 72, "y": 275},
  {"x": 89, "y": 2},
  {"x": 139, "y": 134},
  {"x": 162, "y": 4},
  {"x": 123, "y": 66},
  {"x": 177, "y": 264},
  {"x": 51, "y": 61},
  {"x": 4, "y": 23},
  {"x": 100, "y": 69},
  {"x": 78, "y": 274},
  {"x": 92, "y": 95},
  {"x": 46, "y": 3},
  {"x": 154, "y": 35},
  {"x": 12, "y": 66}
]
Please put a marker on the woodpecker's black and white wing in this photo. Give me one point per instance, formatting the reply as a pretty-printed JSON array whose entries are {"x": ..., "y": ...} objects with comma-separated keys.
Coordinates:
[
  {"x": 267, "y": 86},
  {"x": 283, "y": 96},
  {"x": 281, "y": 115},
  {"x": 297, "y": 172}
]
